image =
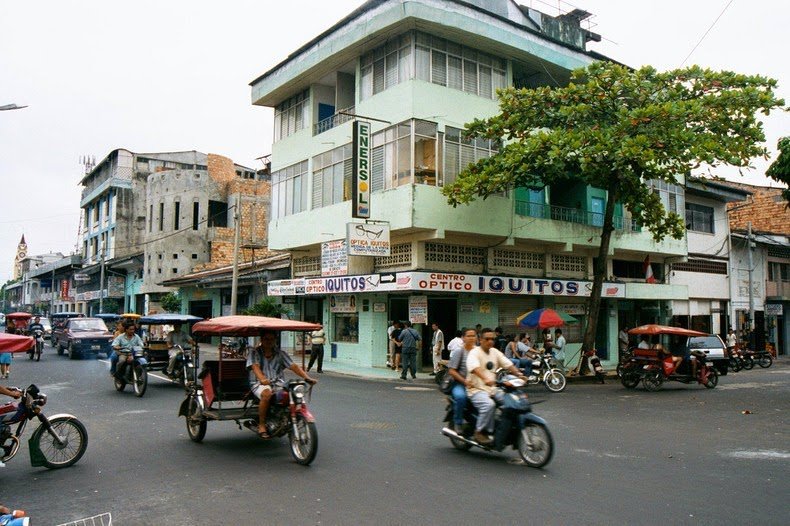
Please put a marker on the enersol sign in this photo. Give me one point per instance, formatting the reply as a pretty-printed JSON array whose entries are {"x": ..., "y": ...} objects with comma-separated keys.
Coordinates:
[{"x": 360, "y": 179}]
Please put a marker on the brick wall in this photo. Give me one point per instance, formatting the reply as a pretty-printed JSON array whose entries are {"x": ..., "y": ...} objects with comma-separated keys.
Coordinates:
[{"x": 767, "y": 210}]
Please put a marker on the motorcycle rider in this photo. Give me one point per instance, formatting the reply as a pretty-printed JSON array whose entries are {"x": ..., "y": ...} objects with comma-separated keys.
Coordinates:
[
  {"x": 176, "y": 337},
  {"x": 14, "y": 393},
  {"x": 124, "y": 342},
  {"x": 457, "y": 369},
  {"x": 267, "y": 364},
  {"x": 482, "y": 363},
  {"x": 35, "y": 326}
]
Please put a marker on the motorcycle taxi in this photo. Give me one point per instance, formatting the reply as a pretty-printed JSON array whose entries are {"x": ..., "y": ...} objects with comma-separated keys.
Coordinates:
[
  {"x": 156, "y": 351},
  {"x": 222, "y": 392},
  {"x": 657, "y": 364}
]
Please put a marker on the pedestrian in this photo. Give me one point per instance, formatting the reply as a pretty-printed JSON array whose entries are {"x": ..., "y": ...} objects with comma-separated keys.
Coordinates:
[
  {"x": 5, "y": 364},
  {"x": 501, "y": 342},
  {"x": 390, "y": 345},
  {"x": 317, "y": 338},
  {"x": 622, "y": 340},
  {"x": 457, "y": 342},
  {"x": 437, "y": 347},
  {"x": 396, "y": 348},
  {"x": 732, "y": 341},
  {"x": 408, "y": 339},
  {"x": 559, "y": 349}
]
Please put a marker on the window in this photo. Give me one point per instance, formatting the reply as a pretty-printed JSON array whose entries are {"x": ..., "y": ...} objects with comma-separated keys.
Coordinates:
[
  {"x": 562, "y": 263},
  {"x": 460, "y": 152},
  {"x": 400, "y": 257},
  {"x": 672, "y": 196},
  {"x": 699, "y": 218},
  {"x": 456, "y": 254},
  {"x": 307, "y": 266},
  {"x": 174, "y": 270},
  {"x": 291, "y": 116},
  {"x": 346, "y": 328},
  {"x": 386, "y": 66},
  {"x": 518, "y": 261},
  {"x": 195, "y": 215},
  {"x": 194, "y": 256},
  {"x": 778, "y": 271},
  {"x": 635, "y": 270},
  {"x": 217, "y": 214},
  {"x": 289, "y": 190},
  {"x": 332, "y": 176},
  {"x": 175, "y": 256},
  {"x": 161, "y": 216},
  {"x": 176, "y": 215},
  {"x": 702, "y": 265}
]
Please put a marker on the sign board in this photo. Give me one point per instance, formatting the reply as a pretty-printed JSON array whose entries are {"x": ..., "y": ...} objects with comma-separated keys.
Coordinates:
[
  {"x": 418, "y": 309},
  {"x": 774, "y": 309},
  {"x": 574, "y": 309},
  {"x": 339, "y": 303},
  {"x": 360, "y": 175},
  {"x": 64, "y": 289},
  {"x": 334, "y": 258},
  {"x": 81, "y": 277},
  {"x": 379, "y": 306},
  {"x": 365, "y": 239}
]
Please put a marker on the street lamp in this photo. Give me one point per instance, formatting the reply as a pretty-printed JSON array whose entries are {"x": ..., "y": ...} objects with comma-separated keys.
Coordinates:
[{"x": 8, "y": 107}]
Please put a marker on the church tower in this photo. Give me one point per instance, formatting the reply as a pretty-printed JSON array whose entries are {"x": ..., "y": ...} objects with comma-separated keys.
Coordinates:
[{"x": 21, "y": 253}]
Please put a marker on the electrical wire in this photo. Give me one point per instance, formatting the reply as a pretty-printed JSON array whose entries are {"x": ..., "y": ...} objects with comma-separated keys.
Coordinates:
[{"x": 706, "y": 33}]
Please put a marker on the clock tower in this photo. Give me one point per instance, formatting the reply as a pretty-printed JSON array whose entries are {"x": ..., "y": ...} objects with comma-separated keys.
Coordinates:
[{"x": 21, "y": 253}]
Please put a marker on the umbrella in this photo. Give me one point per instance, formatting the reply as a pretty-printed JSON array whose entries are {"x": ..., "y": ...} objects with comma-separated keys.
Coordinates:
[
  {"x": 15, "y": 343},
  {"x": 544, "y": 318}
]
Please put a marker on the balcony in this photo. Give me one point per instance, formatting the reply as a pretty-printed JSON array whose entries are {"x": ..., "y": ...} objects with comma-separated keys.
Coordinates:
[
  {"x": 337, "y": 119},
  {"x": 572, "y": 215}
]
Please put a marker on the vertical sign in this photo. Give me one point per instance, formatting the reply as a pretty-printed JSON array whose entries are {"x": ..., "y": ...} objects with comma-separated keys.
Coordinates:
[
  {"x": 334, "y": 258},
  {"x": 418, "y": 309},
  {"x": 360, "y": 177}
]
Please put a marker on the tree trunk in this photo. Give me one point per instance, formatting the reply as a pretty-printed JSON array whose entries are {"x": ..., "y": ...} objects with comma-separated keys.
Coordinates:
[{"x": 599, "y": 273}]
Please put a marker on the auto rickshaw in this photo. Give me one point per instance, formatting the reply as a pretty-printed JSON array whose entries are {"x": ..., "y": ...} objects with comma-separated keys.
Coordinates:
[
  {"x": 109, "y": 319},
  {"x": 156, "y": 349},
  {"x": 18, "y": 322},
  {"x": 223, "y": 392}
]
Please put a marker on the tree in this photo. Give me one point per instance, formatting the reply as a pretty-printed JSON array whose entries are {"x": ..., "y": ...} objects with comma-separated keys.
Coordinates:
[
  {"x": 780, "y": 168},
  {"x": 616, "y": 129},
  {"x": 267, "y": 307},
  {"x": 171, "y": 302}
]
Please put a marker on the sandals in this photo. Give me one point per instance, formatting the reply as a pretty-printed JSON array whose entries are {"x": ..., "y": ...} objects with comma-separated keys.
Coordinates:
[{"x": 264, "y": 435}]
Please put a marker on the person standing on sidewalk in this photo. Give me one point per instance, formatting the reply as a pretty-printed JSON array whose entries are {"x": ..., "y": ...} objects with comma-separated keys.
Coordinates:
[
  {"x": 408, "y": 339},
  {"x": 390, "y": 345},
  {"x": 317, "y": 339},
  {"x": 437, "y": 346}
]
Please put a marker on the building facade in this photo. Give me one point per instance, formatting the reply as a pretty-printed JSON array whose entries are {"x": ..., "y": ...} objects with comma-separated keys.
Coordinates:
[{"x": 416, "y": 72}]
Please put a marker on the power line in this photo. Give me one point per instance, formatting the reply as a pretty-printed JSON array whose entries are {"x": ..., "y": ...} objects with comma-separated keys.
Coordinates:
[{"x": 706, "y": 33}]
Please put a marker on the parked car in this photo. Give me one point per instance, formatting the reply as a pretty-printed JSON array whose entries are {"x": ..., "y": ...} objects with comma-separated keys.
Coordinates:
[
  {"x": 713, "y": 346},
  {"x": 85, "y": 336}
]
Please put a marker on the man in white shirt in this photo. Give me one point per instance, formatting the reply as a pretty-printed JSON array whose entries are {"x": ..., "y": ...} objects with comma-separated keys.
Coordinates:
[
  {"x": 457, "y": 342},
  {"x": 559, "y": 349},
  {"x": 482, "y": 364},
  {"x": 437, "y": 346}
]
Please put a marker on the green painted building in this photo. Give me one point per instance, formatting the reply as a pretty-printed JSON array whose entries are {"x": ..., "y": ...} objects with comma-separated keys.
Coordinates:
[{"x": 417, "y": 71}]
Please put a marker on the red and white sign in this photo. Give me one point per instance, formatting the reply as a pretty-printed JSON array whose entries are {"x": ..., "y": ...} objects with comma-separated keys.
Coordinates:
[{"x": 64, "y": 289}]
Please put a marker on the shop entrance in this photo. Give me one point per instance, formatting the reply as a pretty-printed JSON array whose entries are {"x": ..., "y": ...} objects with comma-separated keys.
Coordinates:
[
  {"x": 202, "y": 309},
  {"x": 443, "y": 311},
  {"x": 313, "y": 310}
]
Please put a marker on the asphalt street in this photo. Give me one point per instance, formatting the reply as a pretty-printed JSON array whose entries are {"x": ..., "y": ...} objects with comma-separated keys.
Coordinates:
[{"x": 684, "y": 455}]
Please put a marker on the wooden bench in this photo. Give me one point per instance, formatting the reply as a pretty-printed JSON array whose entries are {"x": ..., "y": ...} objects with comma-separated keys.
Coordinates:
[
  {"x": 230, "y": 385},
  {"x": 157, "y": 352}
]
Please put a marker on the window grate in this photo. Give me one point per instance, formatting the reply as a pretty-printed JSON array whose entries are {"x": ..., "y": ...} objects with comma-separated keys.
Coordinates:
[
  {"x": 518, "y": 260},
  {"x": 701, "y": 265},
  {"x": 307, "y": 266},
  {"x": 457, "y": 254},
  {"x": 400, "y": 257},
  {"x": 562, "y": 263}
]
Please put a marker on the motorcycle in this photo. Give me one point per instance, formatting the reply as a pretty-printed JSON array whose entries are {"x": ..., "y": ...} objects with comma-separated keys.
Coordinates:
[
  {"x": 58, "y": 442},
  {"x": 543, "y": 371},
  {"x": 131, "y": 370},
  {"x": 515, "y": 425},
  {"x": 184, "y": 367},
  {"x": 736, "y": 361},
  {"x": 38, "y": 348}
]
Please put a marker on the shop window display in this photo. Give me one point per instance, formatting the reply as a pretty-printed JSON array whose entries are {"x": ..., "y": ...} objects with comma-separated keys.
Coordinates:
[{"x": 346, "y": 328}]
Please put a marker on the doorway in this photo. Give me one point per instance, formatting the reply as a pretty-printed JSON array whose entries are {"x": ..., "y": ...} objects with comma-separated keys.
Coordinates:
[
  {"x": 443, "y": 311},
  {"x": 202, "y": 309}
]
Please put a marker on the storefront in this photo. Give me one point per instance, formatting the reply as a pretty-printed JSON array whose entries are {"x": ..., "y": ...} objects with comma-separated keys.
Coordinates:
[{"x": 356, "y": 310}]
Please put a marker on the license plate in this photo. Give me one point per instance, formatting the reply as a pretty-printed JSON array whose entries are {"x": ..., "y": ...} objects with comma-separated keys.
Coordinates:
[{"x": 95, "y": 347}]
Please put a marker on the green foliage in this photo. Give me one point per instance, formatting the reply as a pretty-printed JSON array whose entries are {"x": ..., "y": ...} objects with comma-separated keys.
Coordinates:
[
  {"x": 780, "y": 169},
  {"x": 111, "y": 305},
  {"x": 615, "y": 128},
  {"x": 171, "y": 302},
  {"x": 267, "y": 307}
]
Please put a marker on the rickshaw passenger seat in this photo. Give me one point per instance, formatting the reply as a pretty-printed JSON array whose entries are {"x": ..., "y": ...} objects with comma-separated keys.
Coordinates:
[{"x": 234, "y": 383}]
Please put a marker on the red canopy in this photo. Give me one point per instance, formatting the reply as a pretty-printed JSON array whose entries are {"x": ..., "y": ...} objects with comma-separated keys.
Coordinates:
[
  {"x": 248, "y": 326},
  {"x": 19, "y": 315},
  {"x": 664, "y": 329},
  {"x": 15, "y": 343}
]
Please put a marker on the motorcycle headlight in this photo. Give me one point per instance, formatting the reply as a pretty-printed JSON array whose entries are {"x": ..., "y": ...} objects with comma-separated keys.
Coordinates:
[
  {"x": 299, "y": 391},
  {"x": 76, "y": 341}
]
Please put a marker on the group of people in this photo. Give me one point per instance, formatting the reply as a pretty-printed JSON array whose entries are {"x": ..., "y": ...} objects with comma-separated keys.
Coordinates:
[
  {"x": 127, "y": 339},
  {"x": 404, "y": 341},
  {"x": 12, "y": 328}
]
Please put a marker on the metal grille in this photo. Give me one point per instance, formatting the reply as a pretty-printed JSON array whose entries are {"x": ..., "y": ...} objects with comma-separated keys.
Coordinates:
[
  {"x": 702, "y": 265},
  {"x": 400, "y": 257},
  {"x": 562, "y": 263},
  {"x": 518, "y": 261},
  {"x": 458, "y": 254},
  {"x": 307, "y": 266}
]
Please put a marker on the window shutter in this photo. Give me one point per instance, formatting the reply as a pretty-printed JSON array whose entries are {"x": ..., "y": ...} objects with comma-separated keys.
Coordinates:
[
  {"x": 377, "y": 169},
  {"x": 439, "y": 68},
  {"x": 317, "y": 189}
]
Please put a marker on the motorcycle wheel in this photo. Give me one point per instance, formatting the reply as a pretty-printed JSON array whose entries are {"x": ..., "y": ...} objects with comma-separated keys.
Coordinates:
[
  {"x": 619, "y": 370},
  {"x": 141, "y": 384},
  {"x": 535, "y": 445},
  {"x": 653, "y": 381},
  {"x": 630, "y": 380},
  {"x": 75, "y": 442},
  {"x": 39, "y": 350},
  {"x": 554, "y": 381},
  {"x": 196, "y": 424},
  {"x": 440, "y": 376},
  {"x": 765, "y": 361},
  {"x": 713, "y": 378},
  {"x": 57, "y": 346},
  {"x": 748, "y": 363},
  {"x": 734, "y": 365},
  {"x": 120, "y": 385},
  {"x": 304, "y": 443}
]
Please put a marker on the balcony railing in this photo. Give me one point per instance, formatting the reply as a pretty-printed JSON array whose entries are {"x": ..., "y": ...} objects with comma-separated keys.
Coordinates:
[
  {"x": 337, "y": 119},
  {"x": 571, "y": 215}
]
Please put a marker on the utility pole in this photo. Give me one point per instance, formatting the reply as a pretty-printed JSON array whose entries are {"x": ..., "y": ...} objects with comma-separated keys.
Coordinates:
[
  {"x": 751, "y": 272},
  {"x": 52, "y": 292},
  {"x": 101, "y": 281},
  {"x": 234, "y": 284}
]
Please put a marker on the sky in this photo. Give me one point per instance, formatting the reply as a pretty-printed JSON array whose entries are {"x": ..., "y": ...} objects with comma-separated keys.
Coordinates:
[{"x": 152, "y": 75}]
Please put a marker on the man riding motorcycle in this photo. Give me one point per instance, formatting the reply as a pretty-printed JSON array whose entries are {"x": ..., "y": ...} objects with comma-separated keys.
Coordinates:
[
  {"x": 176, "y": 338},
  {"x": 36, "y": 325},
  {"x": 124, "y": 342},
  {"x": 457, "y": 369},
  {"x": 482, "y": 363}
]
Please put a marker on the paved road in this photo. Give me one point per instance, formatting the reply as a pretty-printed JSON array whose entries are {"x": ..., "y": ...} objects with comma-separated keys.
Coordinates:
[{"x": 685, "y": 455}]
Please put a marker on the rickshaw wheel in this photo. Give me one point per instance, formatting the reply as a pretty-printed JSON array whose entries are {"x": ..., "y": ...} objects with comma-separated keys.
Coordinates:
[
  {"x": 713, "y": 378},
  {"x": 196, "y": 425},
  {"x": 653, "y": 381},
  {"x": 630, "y": 380},
  {"x": 304, "y": 446}
]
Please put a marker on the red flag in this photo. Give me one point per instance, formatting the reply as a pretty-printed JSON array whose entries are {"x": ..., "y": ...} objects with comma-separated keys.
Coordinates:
[{"x": 648, "y": 270}]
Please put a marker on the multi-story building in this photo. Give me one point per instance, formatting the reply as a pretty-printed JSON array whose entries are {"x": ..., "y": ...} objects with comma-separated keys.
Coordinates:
[
  {"x": 56, "y": 283},
  {"x": 152, "y": 216},
  {"x": 417, "y": 71}
]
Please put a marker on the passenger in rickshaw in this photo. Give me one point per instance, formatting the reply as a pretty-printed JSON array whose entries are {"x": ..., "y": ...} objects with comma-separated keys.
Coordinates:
[
  {"x": 176, "y": 337},
  {"x": 266, "y": 364},
  {"x": 643, "y": 343},
  {"x": 662, "y": 353}
]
